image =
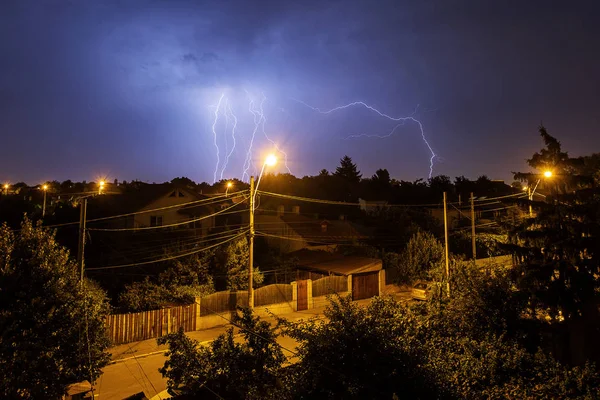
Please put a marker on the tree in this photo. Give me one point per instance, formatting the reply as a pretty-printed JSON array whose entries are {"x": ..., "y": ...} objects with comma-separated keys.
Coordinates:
[
  {"x": 184, "y": 181},
  {"x": 52, "y": 325},
  {"x": 236, "y": 264},
  {"x": 332, "y": 353},
  {"x": 381, "y": 178},
  {"x": 348, "y": 171},
  {"x": 323, "y": 172},
  {"x": 559, "y": 248},
  {"x": 422, "y": 254},
  {"x": 226, "y": 368}
]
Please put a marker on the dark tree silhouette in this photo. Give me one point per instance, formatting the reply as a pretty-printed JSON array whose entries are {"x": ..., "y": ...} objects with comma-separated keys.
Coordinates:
[
  {"x": 558, "y": 248},
  {"x": 348, "y": 170}
]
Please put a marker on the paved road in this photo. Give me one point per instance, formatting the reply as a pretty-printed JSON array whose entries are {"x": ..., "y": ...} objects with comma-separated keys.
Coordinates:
[
  {"x": 137, "y": 372},
  {"x": 132, "y": 376}
]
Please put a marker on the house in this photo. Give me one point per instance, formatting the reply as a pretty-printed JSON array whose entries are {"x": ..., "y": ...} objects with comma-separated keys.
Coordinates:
[
  {"x": 155, "y": 205},
  {"x": 291, "y": 231},
  {"x": 173, "y": 208}
]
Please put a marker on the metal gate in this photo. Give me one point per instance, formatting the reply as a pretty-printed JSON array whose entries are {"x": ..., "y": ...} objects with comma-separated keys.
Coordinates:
[
  {"x": 365, "y": 285},
  {"x": 302, "y": 295}
]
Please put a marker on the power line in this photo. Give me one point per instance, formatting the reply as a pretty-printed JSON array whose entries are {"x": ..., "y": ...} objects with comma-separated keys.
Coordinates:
[
  {"x": 172, "y": 257},
  {"x": 208, "y": 201},
  {"x": 186, "y": 222}
]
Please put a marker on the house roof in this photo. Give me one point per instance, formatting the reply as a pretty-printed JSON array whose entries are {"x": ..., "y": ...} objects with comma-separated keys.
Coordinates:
[
  {"x": 320, "y": 229},
  {"x": 137, "y": 198},
  {"x": 331, "y": 263}
]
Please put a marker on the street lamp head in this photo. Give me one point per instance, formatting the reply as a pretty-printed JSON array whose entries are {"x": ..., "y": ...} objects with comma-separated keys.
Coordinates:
[
  {"x": 548, "y": 174},
  {"x": 101, "y": 183},
  {"x": 525, "y": 188},
  {"x": 45, "y": 187},
  {"x": 229, "y": 184},
  {"x": 6, "y": 186},
  {"x": 271, "y": 160}
]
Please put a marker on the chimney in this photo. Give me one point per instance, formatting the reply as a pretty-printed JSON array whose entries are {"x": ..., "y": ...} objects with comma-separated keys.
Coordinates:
[
  {"x": 280, "y": 210},
  {"x": 296, "y": 210}
]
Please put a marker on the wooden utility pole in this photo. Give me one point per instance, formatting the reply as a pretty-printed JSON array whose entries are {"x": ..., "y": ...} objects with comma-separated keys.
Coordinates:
[
  {"x": 44, "y": 206},
  {"x": 251, "y": 247},
  {"x": 446, "y": 246},
  {"x": 473, "y": 227},
  {"x": 82, "y": 216}
]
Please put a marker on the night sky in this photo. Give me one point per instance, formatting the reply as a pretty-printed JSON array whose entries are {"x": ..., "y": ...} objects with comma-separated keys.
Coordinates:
[{"x": 129, "y": 89}]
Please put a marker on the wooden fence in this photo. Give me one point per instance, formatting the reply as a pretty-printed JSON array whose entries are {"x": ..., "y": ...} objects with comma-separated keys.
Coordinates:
[
  {"x": 273, "y": 294},
  {"x": 224, "y": 301},
  {"x": 133, "y": 327},
  {"x": 329, "y": 285}
]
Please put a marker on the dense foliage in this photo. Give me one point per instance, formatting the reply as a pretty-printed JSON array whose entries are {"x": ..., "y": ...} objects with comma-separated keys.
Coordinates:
[
  {"x": 225, "y": 368},
  {"x": 52, "y": 325},
  {"x": 558, "y": 247},
  {"x": 467, "y": 347}
]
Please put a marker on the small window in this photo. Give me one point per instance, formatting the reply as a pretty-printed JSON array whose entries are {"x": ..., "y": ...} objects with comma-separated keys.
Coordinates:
[{"x": 156, "y": 220}]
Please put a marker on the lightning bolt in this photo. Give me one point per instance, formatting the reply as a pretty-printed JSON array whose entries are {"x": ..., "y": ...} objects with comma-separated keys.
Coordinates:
[
  {"x": 401, "y": 120},
  {"x": 258, "y": 117},
  {"x": 217, "y": 109},
  {"x": 264, "y": 120},
  {"x": 229, "y": 113}
]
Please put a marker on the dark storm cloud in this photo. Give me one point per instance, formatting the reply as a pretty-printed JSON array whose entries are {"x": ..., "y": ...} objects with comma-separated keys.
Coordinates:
[{"x": 117, "y": 85}]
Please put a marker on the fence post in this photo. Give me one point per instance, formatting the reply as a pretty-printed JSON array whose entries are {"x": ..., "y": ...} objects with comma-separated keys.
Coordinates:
[
  {"x": 350, "y": 284},
  {"x": 294, "y": 295},
  {"x": 381, "y": 281},
  {"x": 197, "y": 301},
  {"x": 309, "y": 293}
]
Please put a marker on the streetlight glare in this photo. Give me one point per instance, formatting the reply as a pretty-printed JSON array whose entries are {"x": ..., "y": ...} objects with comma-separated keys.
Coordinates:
[
  {"x": 548, "y": 174},
  {"x": 101, "y": 183},
  {"x": 6, "y": 186},
  {"x": 45, "y": 187},
  {"x": 525, "y": 188},
  {"x": 229, "y": 184},
  {"x": 270, "y": 160}
]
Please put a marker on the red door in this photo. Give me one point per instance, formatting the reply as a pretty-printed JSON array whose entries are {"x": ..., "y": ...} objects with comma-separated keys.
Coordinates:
[{"x": 302, "y": 296}]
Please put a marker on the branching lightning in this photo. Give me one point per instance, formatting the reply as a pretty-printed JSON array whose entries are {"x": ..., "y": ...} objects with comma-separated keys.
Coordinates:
[
  {"x": 401, "y": 120},
  {"x": 229, "y": 113},
  {"x": 217, "y": 109},
  {"x": 258, "y": 119},
  {"x": 264, "y": 121}
]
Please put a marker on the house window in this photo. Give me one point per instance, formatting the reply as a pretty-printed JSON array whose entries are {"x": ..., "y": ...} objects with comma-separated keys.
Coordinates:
[{"x": 156, "y": 220}]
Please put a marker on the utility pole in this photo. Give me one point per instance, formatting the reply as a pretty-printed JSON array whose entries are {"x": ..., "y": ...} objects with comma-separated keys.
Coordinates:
[
  {"x": 82, "y": 216},
  {"x": 473, "y": 227},
  {"x": 44, "y": 206},
  {"x": 251, "y": 247},
  {"x": 530, "y": 197},
  {"x": 446, "y": 246}
]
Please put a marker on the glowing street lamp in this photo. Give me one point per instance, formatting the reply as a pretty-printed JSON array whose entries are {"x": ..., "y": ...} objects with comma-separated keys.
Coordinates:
[
  {"x": 270, "y": 161},
  {"x": 100, "y": 186},
  {"x": 547, "y": 174},
  {"x": 6, "y": 188},
  {"x": 227, "y": 186}
]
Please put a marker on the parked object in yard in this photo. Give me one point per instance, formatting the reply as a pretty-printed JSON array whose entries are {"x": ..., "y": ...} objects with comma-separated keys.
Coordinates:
[{"x": 422, "y": 290}]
